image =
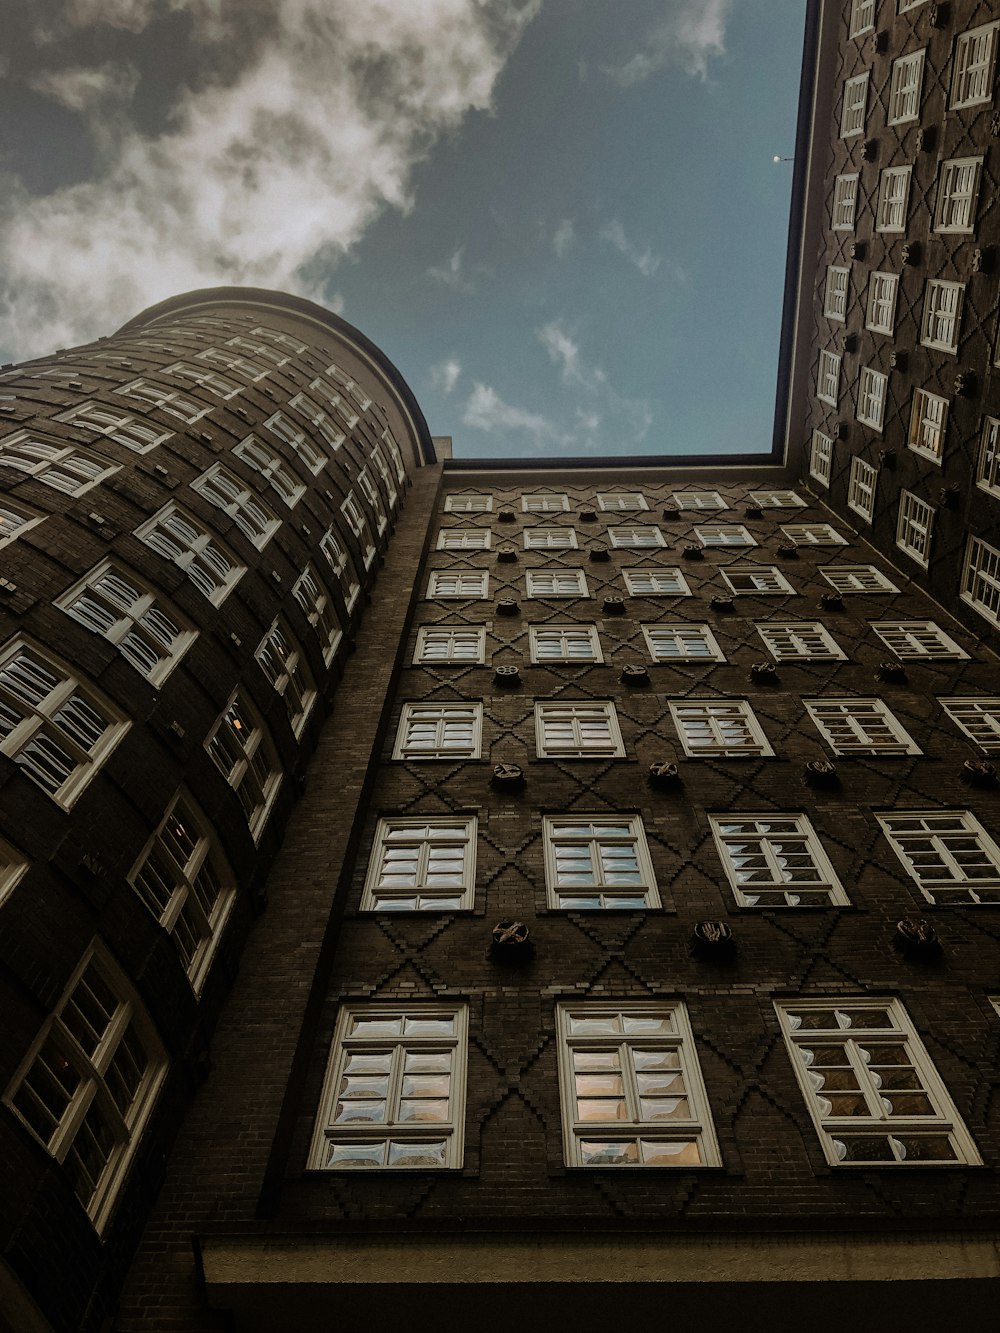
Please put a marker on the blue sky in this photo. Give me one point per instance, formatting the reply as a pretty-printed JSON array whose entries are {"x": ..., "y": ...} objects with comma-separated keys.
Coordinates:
[{"x": 560, "y": 218}]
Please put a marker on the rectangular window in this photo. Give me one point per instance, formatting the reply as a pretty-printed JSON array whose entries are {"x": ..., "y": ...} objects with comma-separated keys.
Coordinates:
[
  {"x": 458, "y": 584},
  {"x": 871, "y": 1089},
  {"x": 761, "y": 580},
  {"x": 251, "y": 371},
  {"x": 620, "y": 501},
  {"x": 636, "y": 538},
  {"x": 913, "y": 530},
  {"x": 90, "y": 1080},
  {"x": 210, "y": 566},
  {"x": 859, "y": 727},
  {"x": 256, "y": 520},
  {"x": 958, "y": 194},
  {"x": 904, "y": 88},
  {"x": 543, "y": 502},
  {"x": 113, "y": 603},
  {"x": 284, "y": 429},
  {"x": 598, "y": 864},
  {"x": 862, "y": 17},
  {"x": 320, "y": 388},
  {"x": 821, "y": 457},
  {"x": 845, "y": 194},
  {"x": 776, "y": 860},
  {"x": 282, "y": 661},
  {"x": 358, "y": 524},
  {"x": 12, "y": 867},
  {"x": 871, "y": 397},
  {"x": 723, "y": 728},
  {"x": 942, "y": 314},
  {"x": 578, "y": 731},
  {"x": 174, "y": 404},
  {"x": 394, "y": 1094},
  {"x": 271, "y": 468},
  {"x": 979, "y": 718},
  {"x": 857, "y": 578},
  {"x": 656, "y": 583},
  {"x": 111, "y": 425},
  {"x": 15, "y": 520},
  {"x": 550, "y": 539},
  {"x": 317, "y": 607},
  {"x": 915, "y": 639},
  {"x": 981, "y": 579},
  {"x": 468, "y": 504},
  {"x": 973, "y": 66},
  {"x": 947, "y": 852},
  {"x": 776, "y": 499},
  {"x": 682, "y": 643},
  {"x": 882, "y": 292},
  {"x": 56, "y": 731},
  {"x": 382, "y": 468},
  {"x": 631, "y": 1088},
  {"x": 464, "y": 539},
  {"x": 371, "y": 493},
  {"x": 183, "y": 881},
  {"x": 835, "y": 298},
  {"x": 556, "y": 583},
  {"x": 279, "y": 340},
  {"x": 353, "y": 390},
  {"x": 828, "y": 378},
  {"x": 893, "y": 198},
  {"x": 422, "y": 865},
  {"x": 203, "y": 378},
  {"x": 791, "y": 639},
  {"x": 244, "y": 754},
  {"x": 439, "y": 731},
  {"x": 988, "y": 462},
  {"x": 812, "y": 534},
  {"x": 64, "y": 467},
  {"x": 852, "y": 115},
  {"x": 340, "y": 562},
  {"x": 861, "y": 490},
  {"x": 564, "y": 643},
  {"x": 699, "y": 500},
  {"x": 724, "y": 534},
  {"x": 441, "y": 646}
]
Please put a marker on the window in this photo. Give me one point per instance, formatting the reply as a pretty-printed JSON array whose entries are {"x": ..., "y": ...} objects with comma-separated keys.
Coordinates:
[
  {"x": 835, "y": 299},
  {"x": 776, "y": 499},
  {"x": 319, "y": 388},
  {"x": 861, "y": 490},
  {"x": 318, "y": 609},
  {"x": 845, "y": 193},
  {"x": 64, "y": 467},
  {"x": 913, "y": 530},
  {"x": 15, "y": 520},
  {"x": 251, "y": 371},
  {"x": 724, "y": 534},
  {"x": 656, "y": 583},
  {"x": 457, "y": 584},
  {"x": 972, "y": 65},
  {"x": 758, "y": 579},
  {"x": 256, "y": 456},
  {"x": 382, "y": 468},
  {"x": 342, "y": 565},
  {"x": 464, "y": 539},
  {"x": 859, "y": 727},
  {"x": 873, "y": 1094},
  {"x": 958, "y": 194},
  {"x": 556, "y": 583},
  {"x": 353, "y": 390},
  {"x": 828, "y": 378},
  {"x": 981, "y": 579},
  {"x": 395, "y": 457},
  {"x": 253, "y": 517},
  {"x": 682, "y": 643},
  {"x": 564, "y": 643},
  {"x": 577, "y": 731},
  {"x": 882, "y": 291},
  {"x": 112, "y": 425},
  {"x": 279, "y": 339},
  {"x": 979, "y": 718},
  {"x": 942, "y": 314},
  {"x": 244, "y": 754},
  {"x": 438, "y": 646},
  {"x": 175, "y": 404},
  {"x": 812, "y": 534},
  {"x": 947, "y": 852},
  {"x": 857, "y": 578},
  {"x": 468, "y": 504},
  {"x": 182, "y": 880},
  {"x": 371, "y": 493},
  {"x": 821, "y": 457},
  {"x": 394, "y": 1094},
  {"x": 791, "y": 639},
  {"x": 893, "y": 197},
  {"x": 639, "y": 538},
  {"x": 631, "y": 1089},
  {"x": 358, "y": 524},
  {"x": 595, "y": 863},
  {"x": 904, "y": 89},
  {"x": 719, "y": 728},
  {"x": 621, "y": 501},
  {"x": 852, "y": 116},
  {"x": 286, "y": 430},
  {"x": 89, "y": 1082},
  {"x": 905, "y": 5},
  {"x": 776, "y": 861},
  {"x": 987, "y": 468},
  {"x": 699, "y": 500},
  {"x": 57, "y": 732},
  {"x": 871, "y": 397},
  {"x": 422, "y": 865},
  {"x": 113, "y": 603},
  {"x": 439, "y": 731},
  {"x": 281, "y": 660},
  {"x": 210, "y": 566},
  {"x": 544, "y": 503},
  {"x": 219, "y": 385},
  {"x": 915, "y": 639},
  {"x": 862, "y": 17},
  {"x": 550, "y": 539},
  {"x": 12, "y": 867}
]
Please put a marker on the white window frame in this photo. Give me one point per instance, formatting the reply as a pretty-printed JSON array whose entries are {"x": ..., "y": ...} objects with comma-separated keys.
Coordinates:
[
  {"x": 812, "y": 534},
  {"x": 316, "y": 604},
  {"x": 457, "y": 736},
  {"x": 682, "y": 641},
  {"x": 857, "y": 579},
  {"x": 65, "y": 467},
  {"x": 178, "y": 536},
  {"x": 13, "y": 866},
  {"x": 16, "y": 519},
  {"x": 357, "y": 521},
  {"x": 309, "y": 454},
  {"x": 279, "y": 339},
  {"x": 251, "y": 371},
  {"x": 446, "y": 645},
  {"x": 335, "y": 401},
  {"x": 943, "y": 845},
  {"x": 883, "y": 291},
  {"x": 981, "y": 579},
  {"x": 828, "y": 377},
  {"x": 660, "y": 1028},
  {"x": 958, "y": 195},
  {"x": 855, "y": 738},
  {"x": 904, "y": 88},
  {"x": 978, "y": 716},
  {"x": 280, "y": 657},
  {"x": 915, "y": 527},
  {"x": 719, "y": 729},
  {"x": 941, "y": 322},
  {"x": 464, "y": 539},
  {"x": 574, "y": 644},
  {"x": 845, "y": 194},
  {"x": 350, "y": 386},
  {"x": 223, "y": 489},
  {"x": 339, "y": 559},
  {"x": 535, "y": 580},
  {"x": 371, "y": 493},
  {"x": 838, "y": 281},
  {"x": 973, "y": 65},
  {"x": 724, "y": 535},
  {"x": 568, "y": 729},
  {"x": 764, "y": 850},
  {"x": 170, "y": 401},
  {"x": 821, "y": 457},
  {"x": 862, "y": 17},
  {"x": 210, "y": 380},
  {"x": 893, "y": 199},
  {"x": 123, "y": 428},
  {"x": 872, "y": 387},
  {"x": 888, "y": 1029},
  {"x": 918, "y": 640},
  {"x": 620, "y": 502},
  {"x": 861, "y": 488},
  {"x": 242, "y": 750},
  {"x": 468, "y": 504},
  {"x": 854, "y": 106},
  {"x": 602, "y": 859},
  {"x": 254, "y": 454},
  {"x": 636, "y": 538},
  {"x": 393, "y": 1136},
  {"x": 777, "y": 499},
  {"x": 761, "y": 581},
  {"x": 422, "y": 864},
  {"x": 643, "y": 582},
  {"x": 544, "y": 502},
  {"x": 988, "y": 457},
  {"x": 550, "y": 539},
  {"x": 458, "y": 585},
  {"x": 799, "y": 640},
  {"x": 699, "y": 500}
]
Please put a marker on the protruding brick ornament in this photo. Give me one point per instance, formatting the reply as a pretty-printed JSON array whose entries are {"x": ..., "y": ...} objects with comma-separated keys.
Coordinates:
[
  {"x": 763, "y": 673},
  {"x": 821, "y": 773},
  {"x": 506, "y": 555},
  {"x": 898, "y": 360},
  {"x": 753, "y": 511},
  {"x": 599, "y": 553},
  {"x": 869, "y": 150},
  {"x": 720, "y": 603},
  {"x": 940, "y": 14},
  {"x": 910, "y": 253},
  {"x": 508, "y": 676},
  {"x": 965, "y": 383},
  {"x": 588, "y": 516},
  {"x": 979, "y": 773},
  {"x": 917, "y": 938},
  {"x": 692, "y": 552},
  {"x": 507, "y": 606},
  {"x": 887, "y": 458},
  {"x": 507, "y": 777},
  {"x": 665, "y": 776},
  {"x": 669, "y": 512},
  {"x": 851, "y": 343},
  {"x": 506, "y": 516},
  {"x": 713, "y": 939},
  {"x": 788, "y": 551},
  {"x": 510, "y": 942},
  {"x": 831, "y": 601},
  {"x": 614, "y": 606},
  {"x": 893, "y": 673},
  {"x": 634, "y": 673},
  {"x": 949, "y": 496}
]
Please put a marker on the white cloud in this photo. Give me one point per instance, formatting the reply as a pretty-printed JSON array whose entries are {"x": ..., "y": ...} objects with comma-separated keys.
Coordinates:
[
  {"x": 563, "y": 238},
  {"x": 644, "y": 260},
  {"x": 131, "y": 15},
  {"x": 87, "y": 88},
  {"x": 564, "y": 351},
  {"x": 451, "y": 273},
  {"x": 690, "y": 34},
  {"x": 264, "y": 179},
  {"x": 485, "y": 410},
  {"x": 444, "y": 375}
]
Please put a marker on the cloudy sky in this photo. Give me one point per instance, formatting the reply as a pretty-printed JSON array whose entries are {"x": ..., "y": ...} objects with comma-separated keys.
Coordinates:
[{"x": 560, "y": 218}]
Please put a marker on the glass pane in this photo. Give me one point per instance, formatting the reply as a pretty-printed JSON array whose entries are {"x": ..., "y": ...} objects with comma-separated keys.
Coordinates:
[{"x": 418, "y": 1154}]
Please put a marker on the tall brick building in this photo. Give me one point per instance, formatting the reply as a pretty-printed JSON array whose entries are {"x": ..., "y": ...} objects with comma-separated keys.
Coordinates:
[{"x": 438, "y": 891}]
